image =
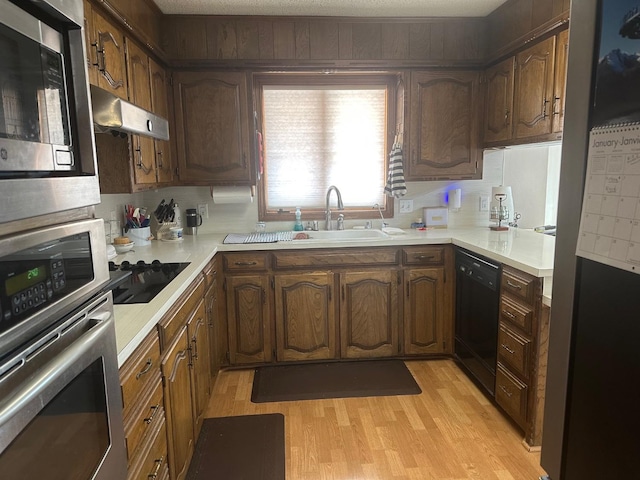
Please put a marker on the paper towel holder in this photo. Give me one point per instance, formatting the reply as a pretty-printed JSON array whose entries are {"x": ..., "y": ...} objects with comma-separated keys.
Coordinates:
[{"x": 455, "y": 197}]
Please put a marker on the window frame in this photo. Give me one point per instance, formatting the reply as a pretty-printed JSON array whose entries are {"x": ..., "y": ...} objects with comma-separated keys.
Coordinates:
[{"x": 388, "y": 79}]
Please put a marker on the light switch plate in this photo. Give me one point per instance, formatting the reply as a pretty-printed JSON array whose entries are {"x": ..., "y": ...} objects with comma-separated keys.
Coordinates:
[
  {"x": 484, "y": 203},
  {"x": 406, "y": 206}
]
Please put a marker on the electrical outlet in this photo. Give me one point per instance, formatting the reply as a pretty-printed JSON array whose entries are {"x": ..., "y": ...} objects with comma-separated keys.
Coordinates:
[
  {"x": 406, "y": 206},
  {"x": 484, "y": 203},
  {"x": 203, "y": 210}
]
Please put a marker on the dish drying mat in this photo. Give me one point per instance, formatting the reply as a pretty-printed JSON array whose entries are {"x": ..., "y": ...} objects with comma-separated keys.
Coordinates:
[{"x": 262, "y": 237}]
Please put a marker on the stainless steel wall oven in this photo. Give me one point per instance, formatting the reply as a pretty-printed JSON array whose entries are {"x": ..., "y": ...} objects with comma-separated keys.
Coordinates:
[
  {"x": 60, "y": 399},
  {"x": 47, "y": 149}
]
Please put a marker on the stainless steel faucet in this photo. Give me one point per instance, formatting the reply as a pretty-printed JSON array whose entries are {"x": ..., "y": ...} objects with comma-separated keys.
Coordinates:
[{"x": 329, "y": 225}]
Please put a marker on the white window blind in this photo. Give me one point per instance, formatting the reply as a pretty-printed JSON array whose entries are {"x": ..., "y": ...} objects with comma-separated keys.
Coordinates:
[{"x": 315, "y": 137}]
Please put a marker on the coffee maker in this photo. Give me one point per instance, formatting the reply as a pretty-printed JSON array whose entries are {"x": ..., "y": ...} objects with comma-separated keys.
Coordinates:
[{"x": 194, "y": 220}]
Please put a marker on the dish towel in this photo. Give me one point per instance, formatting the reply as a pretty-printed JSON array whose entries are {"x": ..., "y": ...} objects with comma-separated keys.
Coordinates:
[{"x": 396, "y": 186}]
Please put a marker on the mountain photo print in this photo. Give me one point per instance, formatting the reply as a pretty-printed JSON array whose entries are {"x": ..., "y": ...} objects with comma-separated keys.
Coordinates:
[{"x": 617, "y": 93}]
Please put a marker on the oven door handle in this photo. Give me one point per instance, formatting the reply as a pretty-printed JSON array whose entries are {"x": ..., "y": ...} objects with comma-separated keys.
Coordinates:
[{"x": 52, "y": 371}]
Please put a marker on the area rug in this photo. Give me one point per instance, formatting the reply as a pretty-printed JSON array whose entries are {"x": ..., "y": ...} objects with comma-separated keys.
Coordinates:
[
  {"x": 248, "y": 447},
  {"x": 372, "y": 378}
]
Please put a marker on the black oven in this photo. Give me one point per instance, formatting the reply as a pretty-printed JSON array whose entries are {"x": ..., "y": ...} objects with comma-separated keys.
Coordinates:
[
  {"x": 60, "y": 399},
  {"x": 47, "y": 152}
]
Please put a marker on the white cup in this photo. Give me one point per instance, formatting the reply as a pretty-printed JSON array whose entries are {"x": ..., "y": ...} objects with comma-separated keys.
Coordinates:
[{"x": 175, "y": 233}]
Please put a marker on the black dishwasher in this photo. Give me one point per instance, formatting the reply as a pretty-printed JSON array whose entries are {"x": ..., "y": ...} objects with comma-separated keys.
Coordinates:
[{"x": 477, "y": 303}]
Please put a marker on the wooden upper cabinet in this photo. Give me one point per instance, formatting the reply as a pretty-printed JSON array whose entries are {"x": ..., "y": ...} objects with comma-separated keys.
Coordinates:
[
  {"x": 140, "y": 94},
  {"x": 560, "y": 81},
  {"x": 444, "y": 140},
  {"x": 108, "y": 54},
  {"x": 499, "y": 101},
  {"x": 89, "y": 33},
  {"x": 212, "y": 128},
  {"x": 369, "y": 314},
  {"x": 305, "y": 316},
  {"x": 160, "y": 106},
  {"x": 534, "y": 93}
]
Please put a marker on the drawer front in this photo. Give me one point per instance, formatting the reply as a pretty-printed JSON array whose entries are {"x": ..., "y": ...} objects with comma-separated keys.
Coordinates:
[
  {"x": 152, "y": 462},
  {"x": 170, "y": 324},
  {"x": 514, "y": 350},
  {"x": 511, "y": 394},
  {"x": 139, "y": 371},
  {"x": 519, "y": 285},
  {"x": 238, "y": 262},
  {"x": 423, "y": 256},
  {"x": 344, "y": 257},
  {"x": 143, "y": 420},
  {"x": 516, "y": 313}
]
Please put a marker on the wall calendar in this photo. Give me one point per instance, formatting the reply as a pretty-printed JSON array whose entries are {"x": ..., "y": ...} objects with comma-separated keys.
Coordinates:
[{"x": 610, "y": 220}]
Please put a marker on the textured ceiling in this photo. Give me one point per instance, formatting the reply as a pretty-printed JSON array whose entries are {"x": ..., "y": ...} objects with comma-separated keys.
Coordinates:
[{"x": 334, "y": 8}]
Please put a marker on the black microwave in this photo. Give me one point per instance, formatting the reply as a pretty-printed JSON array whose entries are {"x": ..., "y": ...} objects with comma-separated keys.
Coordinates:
[{"x": 47, "y": 149}]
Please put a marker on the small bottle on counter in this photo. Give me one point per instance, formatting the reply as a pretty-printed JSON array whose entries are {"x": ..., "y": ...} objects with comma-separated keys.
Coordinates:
[
  {"x": 418, "y": 223},
  {"x": 177, "y": 215},
  {"x": 298, "y": 227}
]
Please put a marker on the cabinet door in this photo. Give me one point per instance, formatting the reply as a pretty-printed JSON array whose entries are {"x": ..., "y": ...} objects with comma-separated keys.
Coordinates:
[
  {"x": 160, "y": 106},
  {"x": 176, "y": 370},
  {"x": 305, "y": 317},
  {"x": 499, "y": 102},
  {"x": 560, "y": 81},
  {"x": 89, "y": 41},
  {"x": 110, "y": 56},
  {"x": 199, "y": 336},
  {"x": 212, "y": 128},
  {"x": 369, "y": 314},
  {"x": 248, "y": 315},
  {"x": 533, "y": 102},
  {"x": 424, "y": 311},
  {"x": 444, "y": 127}
]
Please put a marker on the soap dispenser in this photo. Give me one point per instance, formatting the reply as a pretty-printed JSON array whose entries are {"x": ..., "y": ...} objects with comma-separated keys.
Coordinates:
[{"x": 298, "y": 227}]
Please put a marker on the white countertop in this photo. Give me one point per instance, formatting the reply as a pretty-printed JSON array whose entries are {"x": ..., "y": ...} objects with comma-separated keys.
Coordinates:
[{"x": 525, "y": 250}]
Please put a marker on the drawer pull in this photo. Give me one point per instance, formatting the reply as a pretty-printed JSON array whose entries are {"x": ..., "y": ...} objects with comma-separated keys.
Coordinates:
[
  {"x": 156, "y": 471},
  {"x": 508, "y": 349},
  {"x": 145, "y": 370},
  {"x": 245, "y": 264},
  {"x": 508, "y": 314},
  {"x": 154, "y": 410},
  {"x": 506, "y": 392},
  {"x": 513, "y": 285},
  {"x": 424, "y": 257}
]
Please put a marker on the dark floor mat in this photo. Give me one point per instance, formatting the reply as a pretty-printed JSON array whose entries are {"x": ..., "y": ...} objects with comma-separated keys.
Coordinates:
[
  {"x": 332, "y": 380},
  {"x": 248, "y": 447}
]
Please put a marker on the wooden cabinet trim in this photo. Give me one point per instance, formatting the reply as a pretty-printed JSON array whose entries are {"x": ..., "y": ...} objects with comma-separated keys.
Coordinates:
[{"x": 347, "y": 257}]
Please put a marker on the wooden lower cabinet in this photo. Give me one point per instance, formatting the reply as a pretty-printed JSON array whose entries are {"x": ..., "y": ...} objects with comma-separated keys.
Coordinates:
[
  {"x": 176, "y": 370},
  {"x": 369, "y": 314},
  {"x": 249, "y": 319},
  {"x": 425, "y": 310},
  {"x": 153, "y": 464},
  {"x": 305, "y": 316},
  {"x": 198, "y": 329}
]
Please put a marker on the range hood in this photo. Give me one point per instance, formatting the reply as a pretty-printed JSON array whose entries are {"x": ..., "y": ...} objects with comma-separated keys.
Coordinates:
[{"x": 112, "y": 113}]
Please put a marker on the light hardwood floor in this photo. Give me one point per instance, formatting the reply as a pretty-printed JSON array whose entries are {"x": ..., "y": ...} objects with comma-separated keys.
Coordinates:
[{"x": 449, "y": 432}]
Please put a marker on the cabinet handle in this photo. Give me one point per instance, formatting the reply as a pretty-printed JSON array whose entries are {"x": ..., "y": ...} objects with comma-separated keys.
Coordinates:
[
  {"x": 195, "y": 348},
  {"x": 508, "y": 314},
  {"x": 140, "y": 164},
  {"x": 190, "y": 355},
  {"x": 160, "y": 163},
  {"x": 544, "y": 108},
  {"x": 513, "y": 285},
  {"x": 156, "y": 470},
  {"x": 424, "y": 257},
  {"x": 556, "y": 111},
  {"x": 506, "y": 117},
  {"x": 343, "y": 293},
  {"x": 508, "y": 349},
  {"x": 245, "y": 264},
  {"x": 145, "y": 370},
  {"x": 507, "y": 392},
  {"x": 264, "y": 297},
  {"x": 154, "y": 410},
  {"x": 99, "y": 51},
  {"x": 244, "y": 160},
  {"x": 413, "y": 157}
]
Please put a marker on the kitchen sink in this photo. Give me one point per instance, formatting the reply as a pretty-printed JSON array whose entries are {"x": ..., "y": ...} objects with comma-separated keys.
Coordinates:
[{"x": 347, "y": 235}]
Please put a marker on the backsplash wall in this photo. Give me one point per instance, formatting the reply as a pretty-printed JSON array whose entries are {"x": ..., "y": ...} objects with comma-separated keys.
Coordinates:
[{"x": 238, "y": 218}]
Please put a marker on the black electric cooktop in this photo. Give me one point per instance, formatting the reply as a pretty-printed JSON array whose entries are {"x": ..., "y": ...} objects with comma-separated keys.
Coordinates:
[{"x": 140, "y": 282}]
